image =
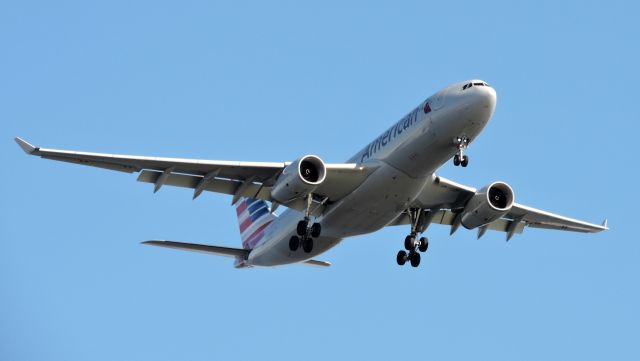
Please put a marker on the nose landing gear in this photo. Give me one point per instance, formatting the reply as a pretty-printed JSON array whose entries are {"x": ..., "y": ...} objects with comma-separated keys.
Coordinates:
[
  {"x": 460, "y": 159},
  {"x": 412, "y": 245}
]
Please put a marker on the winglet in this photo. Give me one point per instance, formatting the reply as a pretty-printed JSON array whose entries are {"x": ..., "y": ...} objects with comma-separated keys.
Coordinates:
[
  {"x": 605, "y": 223},
  {"x": 28, "y": 148}
]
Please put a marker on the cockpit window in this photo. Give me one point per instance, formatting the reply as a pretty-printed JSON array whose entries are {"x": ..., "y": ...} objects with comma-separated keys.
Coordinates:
[{"x": 469, "y": 85}]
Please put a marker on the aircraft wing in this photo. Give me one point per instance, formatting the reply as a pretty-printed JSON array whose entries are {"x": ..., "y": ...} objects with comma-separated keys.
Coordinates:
[
  {"x": 446, "y": 198},
  {"x": 240, "y": 179}
]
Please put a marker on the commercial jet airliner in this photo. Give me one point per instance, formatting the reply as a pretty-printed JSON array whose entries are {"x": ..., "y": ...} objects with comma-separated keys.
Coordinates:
[{"x": 392, "y": 181}]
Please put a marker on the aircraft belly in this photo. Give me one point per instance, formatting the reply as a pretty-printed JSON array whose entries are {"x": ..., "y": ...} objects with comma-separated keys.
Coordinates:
[
  {"x": 275, "y": 250},
  {"x": 378, "y": 201}
]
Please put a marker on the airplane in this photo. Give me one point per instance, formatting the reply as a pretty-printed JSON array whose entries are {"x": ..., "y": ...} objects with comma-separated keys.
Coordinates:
[{"x": 392, "y": 181}]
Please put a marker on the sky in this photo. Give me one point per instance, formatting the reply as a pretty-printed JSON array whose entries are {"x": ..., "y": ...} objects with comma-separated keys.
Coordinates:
[{"x": 271, "y": 81}]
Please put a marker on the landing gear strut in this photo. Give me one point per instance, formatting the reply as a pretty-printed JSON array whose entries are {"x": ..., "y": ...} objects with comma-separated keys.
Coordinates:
[
  {"x": 460, "y": 159},
  {"x": 305, "y": 230},
  {"x": 413, "y": 245}
]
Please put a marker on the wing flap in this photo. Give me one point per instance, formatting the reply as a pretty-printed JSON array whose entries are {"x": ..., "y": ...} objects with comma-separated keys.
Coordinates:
[
  {"x": 447, "y": 218},
  {"x": 226, "y": 186}
]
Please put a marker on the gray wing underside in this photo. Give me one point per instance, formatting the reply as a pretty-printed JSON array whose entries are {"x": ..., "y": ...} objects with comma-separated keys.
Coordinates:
[
  {"x": 446, "y": 198},
  {"x": 239, "y": 179}
]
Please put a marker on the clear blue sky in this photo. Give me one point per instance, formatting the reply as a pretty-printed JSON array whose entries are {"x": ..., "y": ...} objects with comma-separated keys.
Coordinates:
[{"x": 251, "y": 81}]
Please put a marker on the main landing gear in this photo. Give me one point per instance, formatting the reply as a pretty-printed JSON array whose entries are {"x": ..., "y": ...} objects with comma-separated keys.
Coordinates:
[
  {"x": 460, "y": 159},
  {"x": 305, "y": 231},
  {"x": 412, "y": 245}
]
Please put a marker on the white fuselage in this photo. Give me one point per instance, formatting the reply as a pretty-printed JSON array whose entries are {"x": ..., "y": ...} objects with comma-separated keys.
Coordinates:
[{"x": 406, "y": 156}]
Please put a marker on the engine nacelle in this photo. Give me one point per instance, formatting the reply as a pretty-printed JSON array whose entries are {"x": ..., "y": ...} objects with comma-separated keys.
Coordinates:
[
  {"x": 299, "y": 178},
  {"x": 488, "y": 204}
]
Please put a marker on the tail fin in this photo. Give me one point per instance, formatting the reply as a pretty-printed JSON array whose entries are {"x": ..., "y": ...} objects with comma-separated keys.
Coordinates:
[{"x": 253, "y": 218}]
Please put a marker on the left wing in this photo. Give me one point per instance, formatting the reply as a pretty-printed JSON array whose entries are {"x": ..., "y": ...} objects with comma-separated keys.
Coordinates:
[
  {"x": 240, "y": 179},
  {"x": 446, "y": 199}
]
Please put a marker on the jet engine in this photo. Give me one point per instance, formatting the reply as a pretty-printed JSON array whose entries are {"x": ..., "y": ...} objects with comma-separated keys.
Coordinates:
[
  {"x": 299, "y": 178},
  {"x": 488, "y": 204}
]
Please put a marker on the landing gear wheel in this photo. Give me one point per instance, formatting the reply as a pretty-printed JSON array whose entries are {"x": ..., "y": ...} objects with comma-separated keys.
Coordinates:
[
  {"x": 301, "y": 229},
  {"x": 307, "y": 245},
  {"x": 401, "y": 258},
  {"x": 456, "y": 160},
  {"x": 423, "y": 244},
  {"x": 294, "y": 243},
  {"x": 465, "y": 161},
  {"x": 315, "y": 230},
  {"x": 409, "y": 243},
  {"x": 415, "y": 259}
]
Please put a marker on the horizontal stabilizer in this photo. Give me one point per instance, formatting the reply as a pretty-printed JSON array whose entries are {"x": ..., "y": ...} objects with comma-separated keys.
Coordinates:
[
  {"x": 313, "y": 262},
  {"x": 237, "y": 253},
  {"x": 221, "y": 251}
]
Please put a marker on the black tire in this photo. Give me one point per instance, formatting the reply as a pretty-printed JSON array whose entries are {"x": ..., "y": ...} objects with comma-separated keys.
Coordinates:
[
  {"x": 294, "y": 243},
  {"x": 301, "y": 229},
  {"x": 401, "y": 258},
  {"x": 409, "y": 243},
  {"x": 307, "y": 245},
  {"x": 465, "y": 161},
  {"x": 456, "y": 160},
  {"x": 424, "y": 244},
  {"x": 316, "y": 228},
  {"x": 415, "y": 259}
]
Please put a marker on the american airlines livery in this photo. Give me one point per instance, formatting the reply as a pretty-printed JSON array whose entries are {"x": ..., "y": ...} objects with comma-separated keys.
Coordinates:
[{"x": 391, "y": 181}]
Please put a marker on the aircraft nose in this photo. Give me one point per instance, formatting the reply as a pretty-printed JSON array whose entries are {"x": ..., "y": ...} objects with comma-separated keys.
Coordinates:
[
  {"x": 484, "y": 100},
  {"x": 486, "y": 97}
]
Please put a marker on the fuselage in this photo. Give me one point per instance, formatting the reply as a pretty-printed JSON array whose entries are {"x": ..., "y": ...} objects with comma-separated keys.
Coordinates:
[{"x": 405, "y": 156}]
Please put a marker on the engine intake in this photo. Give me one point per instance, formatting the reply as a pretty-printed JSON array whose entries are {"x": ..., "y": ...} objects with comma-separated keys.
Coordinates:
[
  {"x": 299, "y": 178},
  {"x": 489, "y": 204}
]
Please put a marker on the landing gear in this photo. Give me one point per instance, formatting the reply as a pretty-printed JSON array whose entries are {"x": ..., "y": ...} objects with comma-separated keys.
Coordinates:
[
  {"x": 294, "y": 243},
  {"x": 460, "y": 159},
  {"x": 413, "y": 257},
  {"x": 307, "y": 245},
  {"x": 315, "y": 230},
  {"x": 301, "y": 229},
  {"x": 412, "y": 245},
  {"x": 423, "y": 245},
  {"x": 305, "y": 231},
  {"x": 402, "y": 257}
]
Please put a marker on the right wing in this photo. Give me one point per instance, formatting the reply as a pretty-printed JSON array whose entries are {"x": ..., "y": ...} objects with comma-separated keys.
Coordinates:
[
  {"x": 240, "y": 179},
  {"x": 445, "y": 198}
]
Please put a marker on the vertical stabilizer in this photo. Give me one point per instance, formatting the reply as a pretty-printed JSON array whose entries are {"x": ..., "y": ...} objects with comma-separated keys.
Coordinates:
[{"x": 253, "y": 218}]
